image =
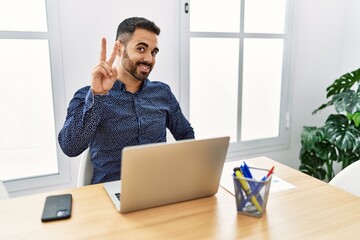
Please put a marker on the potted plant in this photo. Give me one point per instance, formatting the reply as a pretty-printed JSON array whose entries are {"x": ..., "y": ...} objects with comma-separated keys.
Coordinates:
[{"x": 339, "y": 139}]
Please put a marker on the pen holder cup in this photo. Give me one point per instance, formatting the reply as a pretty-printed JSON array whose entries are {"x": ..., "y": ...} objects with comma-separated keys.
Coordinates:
[{"x": 251, "y": 194}]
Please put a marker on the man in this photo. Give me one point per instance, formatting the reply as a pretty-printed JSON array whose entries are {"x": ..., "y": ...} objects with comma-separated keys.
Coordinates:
[{"x": 122, "y": 107}]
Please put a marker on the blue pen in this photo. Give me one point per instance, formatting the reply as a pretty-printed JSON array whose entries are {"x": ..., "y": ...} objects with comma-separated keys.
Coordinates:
[{"x": 247, "y": 170}]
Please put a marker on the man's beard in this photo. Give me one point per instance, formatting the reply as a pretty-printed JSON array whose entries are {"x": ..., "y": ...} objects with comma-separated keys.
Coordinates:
[{"x": 132, "y": 67}]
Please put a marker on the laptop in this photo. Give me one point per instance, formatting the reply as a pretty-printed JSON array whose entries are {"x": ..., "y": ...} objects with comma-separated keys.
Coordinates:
[{"x": 165, "y": 173}]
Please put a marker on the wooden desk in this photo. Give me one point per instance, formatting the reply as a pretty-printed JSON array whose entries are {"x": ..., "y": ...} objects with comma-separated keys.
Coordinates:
[{"x": 313, "y": 210}]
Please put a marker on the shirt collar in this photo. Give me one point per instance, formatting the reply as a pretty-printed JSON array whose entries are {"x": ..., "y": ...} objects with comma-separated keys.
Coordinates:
[{"x": 118, "y": 85}]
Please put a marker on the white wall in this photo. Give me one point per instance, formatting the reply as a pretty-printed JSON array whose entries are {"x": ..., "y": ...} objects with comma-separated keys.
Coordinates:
[
  {"x": 325, "y": 45},
  {"x": 326, "y": 36},
  {"x": 351, "y": 50}
]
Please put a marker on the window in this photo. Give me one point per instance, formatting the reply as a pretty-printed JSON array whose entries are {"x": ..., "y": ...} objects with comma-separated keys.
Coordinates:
[
  {"x": 234, "y": 66},
  {"x": 30, "y": 63}
]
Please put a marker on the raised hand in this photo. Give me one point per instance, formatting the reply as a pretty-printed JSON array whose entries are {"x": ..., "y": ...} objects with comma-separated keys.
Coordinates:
[{"x": 104, "y": 74}]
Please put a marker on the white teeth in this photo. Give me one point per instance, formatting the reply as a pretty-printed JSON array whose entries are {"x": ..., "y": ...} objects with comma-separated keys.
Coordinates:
[{"x": 144, "y": 67}]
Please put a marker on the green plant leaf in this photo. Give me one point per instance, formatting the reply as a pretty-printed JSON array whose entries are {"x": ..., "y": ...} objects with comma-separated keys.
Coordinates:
[
  {"x": 347, "y": 101},
  {"x": 312, "y": 165},
  {"x": 346, "y": 81},
  {"x": 356, "y": 119},
  {"x": 339, "y": 139},
  {"x": 326, "y": 151},
  {"x": 310, "y": 136},
  {"x": 349, "y": 116},
  {"x": 341, "y": 132},
  {"x": 347, "y": 157},
  {"x": 325, "y": 105}
]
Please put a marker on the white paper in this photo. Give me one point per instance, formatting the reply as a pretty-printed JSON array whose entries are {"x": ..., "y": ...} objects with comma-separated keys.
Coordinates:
[{"x": 226, "y": 181}]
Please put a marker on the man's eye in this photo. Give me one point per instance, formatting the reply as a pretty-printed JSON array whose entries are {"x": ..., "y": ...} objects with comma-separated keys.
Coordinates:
[
  {"x": 153, "y": 53},
  {"x": 141, "y": 49}
]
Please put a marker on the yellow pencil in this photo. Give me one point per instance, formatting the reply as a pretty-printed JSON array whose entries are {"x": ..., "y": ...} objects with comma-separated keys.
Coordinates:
[{"x": 247, "y": 189}]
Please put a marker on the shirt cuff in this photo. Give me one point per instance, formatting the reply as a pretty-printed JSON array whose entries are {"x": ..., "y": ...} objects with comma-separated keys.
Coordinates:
[{"x": 91, "y": 99}]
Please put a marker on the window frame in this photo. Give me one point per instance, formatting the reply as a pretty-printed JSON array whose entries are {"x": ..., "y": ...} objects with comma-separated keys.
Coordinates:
[
  {"x": 58, "y": 93},
  {"x": 252, "y": 147}
]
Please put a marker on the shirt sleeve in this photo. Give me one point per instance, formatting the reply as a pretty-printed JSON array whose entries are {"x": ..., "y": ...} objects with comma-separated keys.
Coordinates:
[
  {"x": 177, "y": 123},
  {"x": 83, "y": 117}
]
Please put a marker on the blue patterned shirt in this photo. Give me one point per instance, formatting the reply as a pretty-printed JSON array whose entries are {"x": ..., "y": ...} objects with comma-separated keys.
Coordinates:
[{"x": 108, "y": 123}]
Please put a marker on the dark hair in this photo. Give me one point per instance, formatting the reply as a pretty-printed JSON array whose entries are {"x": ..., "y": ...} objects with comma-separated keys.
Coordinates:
[{"x": 127, "y": 28}]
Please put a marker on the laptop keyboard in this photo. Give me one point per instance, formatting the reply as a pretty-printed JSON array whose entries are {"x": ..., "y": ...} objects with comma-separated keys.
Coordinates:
[{"x": 118, "y": 196}]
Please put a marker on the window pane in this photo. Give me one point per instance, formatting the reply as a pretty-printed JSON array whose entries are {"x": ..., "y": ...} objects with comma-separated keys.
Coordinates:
[
  {"x": 214, "y": 86},
  {"x": 23, "y": 15},
  {"x": 261, "y": 94},
  {"x": 264, "y": 16},
  {"x": 27, "y": 139},
  {"x": 215, "y": 16}
]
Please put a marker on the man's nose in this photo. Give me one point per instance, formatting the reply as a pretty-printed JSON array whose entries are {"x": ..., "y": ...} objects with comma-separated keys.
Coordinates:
[{"x": 148, "y": 58}]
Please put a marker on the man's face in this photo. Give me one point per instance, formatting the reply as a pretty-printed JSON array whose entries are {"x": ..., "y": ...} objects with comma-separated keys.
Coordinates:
[{"x": 138, "y": 56}]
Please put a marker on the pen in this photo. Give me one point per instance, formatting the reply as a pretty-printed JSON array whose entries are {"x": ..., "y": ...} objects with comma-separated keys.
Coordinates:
[
  {"x": 247, "y": 174},
  {"x": 270, "y": 172},
  {"x": 247, "y": 170},
  {"x": 247, "y": 189}
]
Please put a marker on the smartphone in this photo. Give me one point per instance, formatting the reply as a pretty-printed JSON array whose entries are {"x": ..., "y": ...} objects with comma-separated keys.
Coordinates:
[{"x": 57, "y": 207}]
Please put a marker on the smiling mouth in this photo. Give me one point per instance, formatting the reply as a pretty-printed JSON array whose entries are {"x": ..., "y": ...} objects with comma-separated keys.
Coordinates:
[{"x": 144, "y": 67}]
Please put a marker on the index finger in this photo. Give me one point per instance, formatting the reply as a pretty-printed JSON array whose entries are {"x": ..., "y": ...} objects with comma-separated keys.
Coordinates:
[
  {"x": 103, "y": 49},
  {"x": 113, "y": 54}
]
